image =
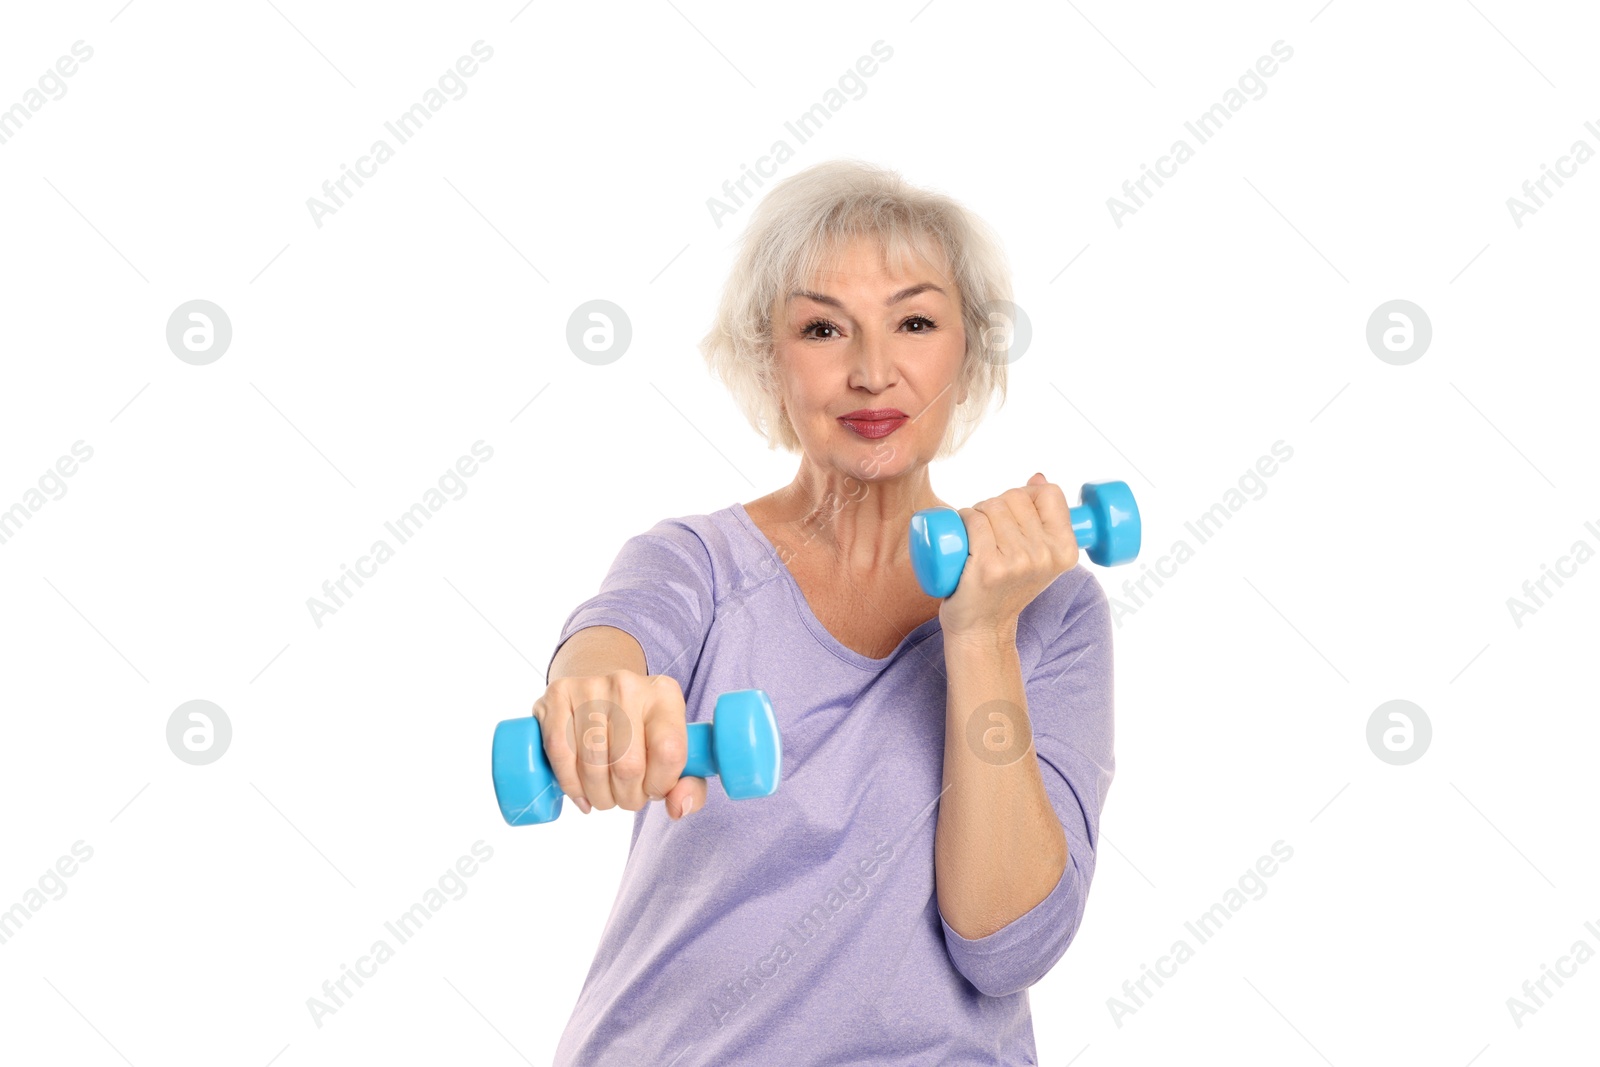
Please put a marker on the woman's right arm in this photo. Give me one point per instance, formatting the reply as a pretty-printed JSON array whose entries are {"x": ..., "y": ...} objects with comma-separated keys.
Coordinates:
[
  {"x": 626, "y": 758},
  {"x": 654, "y": 610},
  {"x": 597, "y": 650}
]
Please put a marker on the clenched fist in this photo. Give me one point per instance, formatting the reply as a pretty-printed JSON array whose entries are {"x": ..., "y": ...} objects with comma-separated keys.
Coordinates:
[
  {"x": 619, "y": 740},
  {"x": 1017, "y": 544}
]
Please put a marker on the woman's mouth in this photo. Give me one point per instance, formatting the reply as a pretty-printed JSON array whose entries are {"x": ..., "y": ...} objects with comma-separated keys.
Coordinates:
[{"x": 874, "y": 423}]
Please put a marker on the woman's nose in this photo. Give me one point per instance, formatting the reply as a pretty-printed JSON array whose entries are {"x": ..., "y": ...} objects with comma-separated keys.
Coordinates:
[{"x": 874, "y": 367}]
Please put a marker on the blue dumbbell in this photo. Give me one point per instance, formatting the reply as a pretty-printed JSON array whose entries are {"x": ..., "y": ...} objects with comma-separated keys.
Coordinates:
[
  {"x": 740, "y": 744},
  {"x": 1106, "y": 525}
]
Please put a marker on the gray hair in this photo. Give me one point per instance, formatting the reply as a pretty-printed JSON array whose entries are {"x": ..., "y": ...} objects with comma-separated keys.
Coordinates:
[{"x": 798, "y": 228}]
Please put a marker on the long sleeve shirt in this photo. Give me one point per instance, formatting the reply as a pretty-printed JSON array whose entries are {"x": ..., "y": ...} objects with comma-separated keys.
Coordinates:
[{"x": 803, "y": 927}]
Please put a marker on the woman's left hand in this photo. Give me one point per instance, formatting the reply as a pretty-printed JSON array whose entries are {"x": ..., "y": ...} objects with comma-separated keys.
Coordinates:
[{"x": 1017, "y": 544}]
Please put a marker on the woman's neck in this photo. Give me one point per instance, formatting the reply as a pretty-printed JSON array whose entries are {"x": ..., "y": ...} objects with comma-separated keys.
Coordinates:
[{"x": 859, "y": 525}]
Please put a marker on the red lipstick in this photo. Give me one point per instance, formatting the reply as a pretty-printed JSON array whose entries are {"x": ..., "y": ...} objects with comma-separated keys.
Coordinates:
[{"x": 873, "y": 423}]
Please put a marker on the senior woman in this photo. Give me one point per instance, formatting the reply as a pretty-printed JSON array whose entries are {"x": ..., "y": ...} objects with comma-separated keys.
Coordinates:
[{"x": 929, "y": 853}]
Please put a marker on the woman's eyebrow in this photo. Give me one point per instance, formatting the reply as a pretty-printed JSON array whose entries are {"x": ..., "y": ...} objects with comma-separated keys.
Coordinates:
[{"x": 904, "y": 294}]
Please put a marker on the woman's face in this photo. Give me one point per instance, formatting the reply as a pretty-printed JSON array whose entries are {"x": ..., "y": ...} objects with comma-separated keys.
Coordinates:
[{"x": 868, "y": 362}]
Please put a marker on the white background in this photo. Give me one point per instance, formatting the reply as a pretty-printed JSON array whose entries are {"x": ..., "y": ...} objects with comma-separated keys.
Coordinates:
[{"x": 368, "y": 354}]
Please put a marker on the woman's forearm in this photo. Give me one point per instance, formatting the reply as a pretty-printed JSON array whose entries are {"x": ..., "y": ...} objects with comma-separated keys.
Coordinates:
[
  {"x": 999, "y": 848},
  {"x": 595, "y": 651}
]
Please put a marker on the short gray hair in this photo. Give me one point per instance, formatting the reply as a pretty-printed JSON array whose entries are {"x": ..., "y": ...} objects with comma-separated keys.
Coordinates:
[{"x": 796, "y": 230}]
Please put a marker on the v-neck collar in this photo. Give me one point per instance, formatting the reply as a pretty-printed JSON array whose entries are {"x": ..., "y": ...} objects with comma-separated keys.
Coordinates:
[{"x": 809, "y": 617}]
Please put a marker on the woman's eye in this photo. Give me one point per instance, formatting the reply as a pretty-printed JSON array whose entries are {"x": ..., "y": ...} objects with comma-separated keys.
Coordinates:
[{"x": 922, "y": 324}]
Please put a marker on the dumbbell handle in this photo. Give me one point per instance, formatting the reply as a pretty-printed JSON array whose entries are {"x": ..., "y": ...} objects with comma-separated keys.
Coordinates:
[
  {"x": 1084, "y": 528},
  {"x": 702, "y": 762}
]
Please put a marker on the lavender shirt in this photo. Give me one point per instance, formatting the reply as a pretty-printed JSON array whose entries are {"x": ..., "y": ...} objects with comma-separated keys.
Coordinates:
[{"x": 803, "y": 928}]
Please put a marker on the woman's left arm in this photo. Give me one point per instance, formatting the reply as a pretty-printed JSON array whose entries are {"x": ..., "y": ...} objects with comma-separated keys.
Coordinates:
[
  {"x": 1028, "y": 742},
  {"x": 999, "y": 848}
]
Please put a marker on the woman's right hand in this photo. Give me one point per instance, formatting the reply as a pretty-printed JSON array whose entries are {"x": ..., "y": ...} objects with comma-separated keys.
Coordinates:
[{"x": 619, "y": 740}]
